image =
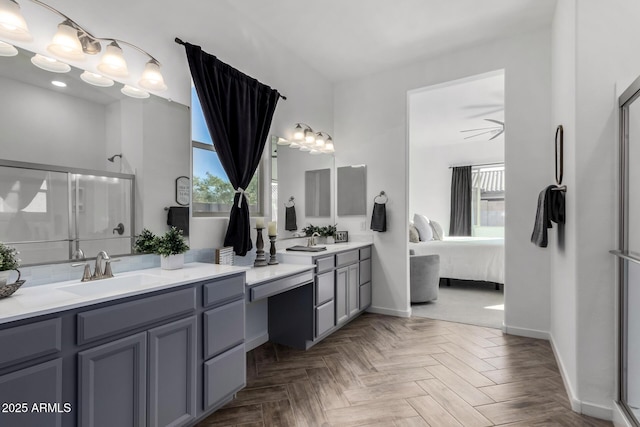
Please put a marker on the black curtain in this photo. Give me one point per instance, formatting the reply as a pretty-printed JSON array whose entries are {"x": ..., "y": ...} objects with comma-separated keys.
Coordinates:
[
  {"x": 460, "y": 223},
  {"x": 238, "y": 110}
]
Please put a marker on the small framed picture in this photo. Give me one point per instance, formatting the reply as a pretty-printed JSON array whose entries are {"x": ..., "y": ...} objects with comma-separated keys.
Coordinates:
[
  {"x": 342, "y": 236},
  {"x": 183, "y": 190}
]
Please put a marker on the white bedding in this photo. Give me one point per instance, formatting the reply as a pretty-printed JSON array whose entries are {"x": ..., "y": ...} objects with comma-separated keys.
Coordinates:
[{"x": 467, "y": 258}]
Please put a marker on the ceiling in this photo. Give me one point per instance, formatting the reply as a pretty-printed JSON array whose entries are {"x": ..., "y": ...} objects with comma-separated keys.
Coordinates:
[
  {"x": 438, "y": 114},
  {"x": 347, "y": 39}
]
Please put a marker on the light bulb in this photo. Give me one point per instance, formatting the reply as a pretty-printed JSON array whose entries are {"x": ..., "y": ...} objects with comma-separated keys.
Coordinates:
[
  {"x": 328, "y": 146},
  {"x": 319, "y": 140},
  {"x": 12, "y": 24},
  {"x": 152, "y": 78},
  {"x": 112, "y": 63},
  {"x": 66, "y": 44},
  {"x": 309, "y": 137},
  {"x": 298, "y": 134}
]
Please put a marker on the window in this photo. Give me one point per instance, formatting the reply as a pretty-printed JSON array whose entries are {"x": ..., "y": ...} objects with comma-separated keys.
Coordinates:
[
  {"x": 212, "y": 192},
  {"x": 487, "y": 205}
]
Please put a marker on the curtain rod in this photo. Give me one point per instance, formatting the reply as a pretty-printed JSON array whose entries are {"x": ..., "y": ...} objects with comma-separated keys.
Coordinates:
[
  {"x": 177, "y": 40},
  {"x": 480, "y": 165}
]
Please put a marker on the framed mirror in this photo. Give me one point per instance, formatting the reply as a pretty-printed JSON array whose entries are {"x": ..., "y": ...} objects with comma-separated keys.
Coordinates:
[{"x": 352, "y": 190}]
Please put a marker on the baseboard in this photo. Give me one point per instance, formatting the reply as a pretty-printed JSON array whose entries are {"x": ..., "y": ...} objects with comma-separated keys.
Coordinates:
[
  {"x": 581, "y": 407},
  {"x": 524, "y": 332},
  {"x": 258, "y": 340},
  {"x": 390, "y": 312},
  {"x": 576, "y": 404},
  {"x": 620, "y": 417}
]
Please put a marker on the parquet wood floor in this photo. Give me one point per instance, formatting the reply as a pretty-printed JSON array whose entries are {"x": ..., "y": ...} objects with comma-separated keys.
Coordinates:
[{"x": 399, "y": 372}]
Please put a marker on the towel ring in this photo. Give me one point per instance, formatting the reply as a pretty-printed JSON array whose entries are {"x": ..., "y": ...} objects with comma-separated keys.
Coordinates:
[
  {"x": 381, "y": 195},
  {"x": 290, "y": 203}
]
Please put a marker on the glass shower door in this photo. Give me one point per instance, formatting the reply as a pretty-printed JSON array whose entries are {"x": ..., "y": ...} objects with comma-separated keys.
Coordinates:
[{"x": 102, "y": 212}]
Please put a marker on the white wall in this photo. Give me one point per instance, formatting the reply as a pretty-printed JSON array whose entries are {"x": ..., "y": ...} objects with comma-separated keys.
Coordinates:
[{"x": 371, "y": 113}]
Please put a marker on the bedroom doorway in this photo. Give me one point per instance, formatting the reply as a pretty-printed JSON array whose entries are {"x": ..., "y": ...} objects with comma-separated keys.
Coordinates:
[{"x": 457, "y": 192}]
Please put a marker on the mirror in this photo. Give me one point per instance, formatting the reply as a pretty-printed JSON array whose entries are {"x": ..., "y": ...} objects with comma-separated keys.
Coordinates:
[
  {"x": 352, "y": 190},
  {"x": 289, "y": 171},
  {"x": 317, "y": 193},
  {"x": 82, "y": 126}
]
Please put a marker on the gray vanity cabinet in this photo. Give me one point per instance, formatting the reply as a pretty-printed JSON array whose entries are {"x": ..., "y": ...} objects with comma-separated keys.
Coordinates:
[
  {"x": 113, "y": 383},
  {"x": 347, "y": 292},
  {"x": 21, "y": 389},
  {"x": 364, "y": 296},
  {"x": 172, "y": 373}
]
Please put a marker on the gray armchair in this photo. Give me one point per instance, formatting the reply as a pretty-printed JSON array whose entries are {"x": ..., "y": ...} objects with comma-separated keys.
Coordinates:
[{"x": 424, "y": 277}]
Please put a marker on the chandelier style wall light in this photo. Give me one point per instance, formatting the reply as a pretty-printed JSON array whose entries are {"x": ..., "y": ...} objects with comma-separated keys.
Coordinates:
[
  {"x": 305, "y": 139},
  {"x": 73, "y": 42}
]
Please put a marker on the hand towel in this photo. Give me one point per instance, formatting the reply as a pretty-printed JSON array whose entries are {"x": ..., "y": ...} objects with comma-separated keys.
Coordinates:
[
  {"x": 178, "y": 217},
  {"x": 290, "y": 218},
  {"x": 550, "y": 209},
  {"x": 379, "y": 217}
]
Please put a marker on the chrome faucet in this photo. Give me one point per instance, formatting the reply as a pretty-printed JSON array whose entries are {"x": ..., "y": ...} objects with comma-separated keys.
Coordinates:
[
  {"x": 311, "y": 241},
  {"x": 98, "y": 271}
]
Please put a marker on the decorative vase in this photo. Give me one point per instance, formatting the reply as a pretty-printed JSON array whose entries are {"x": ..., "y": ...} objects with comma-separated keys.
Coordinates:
[
  {"x": 6, "y": 274},
  {"x": 172, "y": 262},
  {"x": 330, "y": 240}
]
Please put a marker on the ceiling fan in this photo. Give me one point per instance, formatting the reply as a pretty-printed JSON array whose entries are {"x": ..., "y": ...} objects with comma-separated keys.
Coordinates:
[{"x": 496, "y": 130}]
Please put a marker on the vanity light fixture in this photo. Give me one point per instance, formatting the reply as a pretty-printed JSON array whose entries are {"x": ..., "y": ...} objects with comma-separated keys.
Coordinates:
[
  {"x": 7, "y": 49},
  {"x": 12, "y": 23},
  {"x": 72, "y": 42},
  {"x": 50, "y": 64},
  {"x": 305, "y": 139}
]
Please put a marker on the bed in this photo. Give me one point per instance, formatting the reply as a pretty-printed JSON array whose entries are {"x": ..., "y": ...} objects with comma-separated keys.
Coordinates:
[{"x": 467, "y": 258}]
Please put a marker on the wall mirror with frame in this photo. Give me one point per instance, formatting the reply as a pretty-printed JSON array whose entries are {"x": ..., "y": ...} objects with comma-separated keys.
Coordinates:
[{"x": 72, "y": 125}]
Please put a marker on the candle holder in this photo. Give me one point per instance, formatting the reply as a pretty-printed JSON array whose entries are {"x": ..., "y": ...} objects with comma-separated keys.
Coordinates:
[
  {"x": 261, "y": 259},
  {"x": 272, "y": 251}
]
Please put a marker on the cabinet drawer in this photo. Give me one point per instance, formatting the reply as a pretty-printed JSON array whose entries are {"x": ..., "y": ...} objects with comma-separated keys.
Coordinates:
[
  {"x": 325, "y": 318},
  {"x": 325, "y": 264},
  {"x": 365, "y": 253},
  {"x": 27, "y": 342},
  {"x": 324, "y": 287},
  {"x": 365, "y": 295},
  {"x": 223, "y": 290},
  {"x": 281, "y": 285},
  {"x": 365, "y": 271},
  {"x": 100, "y": 323},
  {"x": 223, "y": 328},
  {"x": 347, "y": 258},
  {"x": 224, "y": 375}
]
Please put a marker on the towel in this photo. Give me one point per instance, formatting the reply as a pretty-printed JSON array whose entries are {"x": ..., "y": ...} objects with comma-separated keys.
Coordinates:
[
  {"x": 178, "y": 217},
  {"x": 290, "y": 218},
  {"x": 550, "y": 209},
  {"x": 379, "y": 217}
]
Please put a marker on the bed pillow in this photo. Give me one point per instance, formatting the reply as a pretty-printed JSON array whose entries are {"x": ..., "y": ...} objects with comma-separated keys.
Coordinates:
[
  {"x": 414, "y": 236},
  {"x": 424, "y": 228},
  {"x": 438, "y": 232}
]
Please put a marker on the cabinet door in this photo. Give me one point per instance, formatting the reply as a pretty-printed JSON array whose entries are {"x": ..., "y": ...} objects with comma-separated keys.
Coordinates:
[
  {"x": 33, "y": 385},
  {"x": 113, "y": 383},
  {"x": 341, "y": 298},
  {"x": 224, "y": 375},
  {"x": 172, "y": 373},
  {"x": 353, "y": 289}
]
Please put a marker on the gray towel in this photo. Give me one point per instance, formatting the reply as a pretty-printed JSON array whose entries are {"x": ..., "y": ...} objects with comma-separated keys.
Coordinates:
[
  {"x": 290, "y": 218},
  {"x": 379, "y": 217},
  {"x": 550, "y": 208},
  {"x": 178, "y": 217}
]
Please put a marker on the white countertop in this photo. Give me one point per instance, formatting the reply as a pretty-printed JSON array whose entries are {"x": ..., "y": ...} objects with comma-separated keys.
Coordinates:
[
  {"x": 331, "y": 249},
  {"x": 258, "y": 275},
  {"x": 51, "y": 298}
]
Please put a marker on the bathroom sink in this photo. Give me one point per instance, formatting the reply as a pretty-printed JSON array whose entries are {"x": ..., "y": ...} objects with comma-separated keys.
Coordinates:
[
  {"x": 113, "y": 285},
  {"x": 301, "y": 248}
]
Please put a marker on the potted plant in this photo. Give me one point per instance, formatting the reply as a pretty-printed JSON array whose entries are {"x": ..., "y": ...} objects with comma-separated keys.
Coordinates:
[
  {"x": 9, "y": 261},
  {"x": 146, "y": 242},
  {"x": 329, "y": 232},
  {"x": 171, "y": 248}
]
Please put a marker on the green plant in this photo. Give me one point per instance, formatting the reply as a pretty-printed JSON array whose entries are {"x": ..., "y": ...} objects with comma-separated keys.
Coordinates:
[
  {"x": 172, "y": 243},
  {"x": 8, "y": 258},
  {"x": 328, "y": 231},
  {"x": 146, "y": 242},
  {"x": 310, "y": 229}
]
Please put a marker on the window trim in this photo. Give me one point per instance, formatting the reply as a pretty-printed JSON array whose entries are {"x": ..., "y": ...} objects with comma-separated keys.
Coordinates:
[{"x": 261, "y": 176}]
